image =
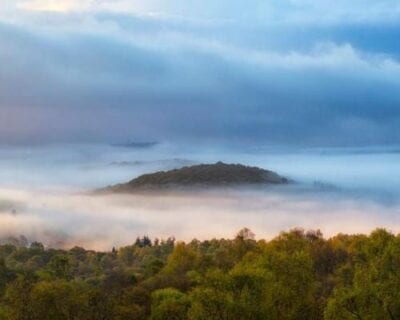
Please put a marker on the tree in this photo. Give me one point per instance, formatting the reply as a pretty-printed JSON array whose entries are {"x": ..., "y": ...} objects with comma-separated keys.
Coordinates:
[
  {"x": 212, "y": 299},
  {"x": 368, "y": 286},
  {"x": 169, "y": 304},
  {"x": 245, "y": 234},
  {"x": 59, "y": 267},
  {"x": 18, "y": 299}
]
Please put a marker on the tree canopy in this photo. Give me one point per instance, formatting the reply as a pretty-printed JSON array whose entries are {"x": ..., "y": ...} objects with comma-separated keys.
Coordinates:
[{"x": 297, "y": 275}]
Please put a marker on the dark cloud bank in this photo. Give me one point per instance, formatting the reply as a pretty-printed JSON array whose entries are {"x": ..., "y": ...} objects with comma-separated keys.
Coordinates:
[{"x": 105, "y": 76}]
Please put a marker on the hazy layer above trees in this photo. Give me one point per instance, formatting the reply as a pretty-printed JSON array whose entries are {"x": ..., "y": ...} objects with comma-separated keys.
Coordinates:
[{"x": 297, "y": 275}]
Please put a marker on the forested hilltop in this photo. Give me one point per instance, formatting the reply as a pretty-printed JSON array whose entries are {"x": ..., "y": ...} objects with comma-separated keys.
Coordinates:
[
  {"x": 203, "y": 175},
  {"x": 297, "y": 275}
]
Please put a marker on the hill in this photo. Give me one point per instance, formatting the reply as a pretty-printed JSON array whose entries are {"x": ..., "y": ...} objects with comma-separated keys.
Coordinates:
[{"x": 204, "y": 175}]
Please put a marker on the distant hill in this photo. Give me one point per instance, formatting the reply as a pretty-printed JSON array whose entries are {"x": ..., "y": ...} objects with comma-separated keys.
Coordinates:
[
  {"x": 138, "y": 144},
  {"x": 204, "y": 175}
]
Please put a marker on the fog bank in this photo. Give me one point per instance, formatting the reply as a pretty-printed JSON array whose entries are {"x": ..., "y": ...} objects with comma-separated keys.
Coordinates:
[{"x": 42, "y": 194}]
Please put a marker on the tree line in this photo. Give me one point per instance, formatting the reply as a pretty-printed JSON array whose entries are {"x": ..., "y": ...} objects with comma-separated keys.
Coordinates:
[{"x": 297, "y": 275}]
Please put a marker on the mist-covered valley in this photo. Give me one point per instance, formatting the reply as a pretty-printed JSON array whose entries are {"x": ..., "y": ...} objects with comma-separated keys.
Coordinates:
[{"x": 45, "y": 193}]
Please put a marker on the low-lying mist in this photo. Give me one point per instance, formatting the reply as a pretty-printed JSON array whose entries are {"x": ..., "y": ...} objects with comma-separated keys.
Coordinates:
[{"x": 43, "y": 194}]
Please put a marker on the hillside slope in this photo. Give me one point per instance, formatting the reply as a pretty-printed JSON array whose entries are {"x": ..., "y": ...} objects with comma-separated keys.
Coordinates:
[{"x": 204, "y": 175}]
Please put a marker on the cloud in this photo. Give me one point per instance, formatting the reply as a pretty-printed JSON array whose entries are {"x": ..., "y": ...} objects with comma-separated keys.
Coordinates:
[
  {"x": 41, "y": 193},
  {"x": 287, "y": 78},
  {"x": 286, "y": 11},
  {"x": 103, "y": 222},
  {"x": 53, "y": 5}
]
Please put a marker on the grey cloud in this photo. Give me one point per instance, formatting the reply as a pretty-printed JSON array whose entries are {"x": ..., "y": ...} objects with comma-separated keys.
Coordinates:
[{"x": 115, "y": 76}]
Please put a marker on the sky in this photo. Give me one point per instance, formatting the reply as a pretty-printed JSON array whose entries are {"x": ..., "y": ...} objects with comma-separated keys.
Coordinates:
[{"x": 287, "y": 72}]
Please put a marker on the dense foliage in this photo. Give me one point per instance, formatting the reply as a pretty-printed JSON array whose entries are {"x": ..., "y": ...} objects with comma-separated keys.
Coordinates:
[{"x": 298, "y": 275}]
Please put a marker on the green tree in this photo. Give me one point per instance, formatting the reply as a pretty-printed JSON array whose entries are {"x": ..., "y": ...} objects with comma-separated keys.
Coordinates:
[
  {"x": 18, "y": 299},
  {"x": 169, "y": 304},
  {"x": 368, "y": 286}
]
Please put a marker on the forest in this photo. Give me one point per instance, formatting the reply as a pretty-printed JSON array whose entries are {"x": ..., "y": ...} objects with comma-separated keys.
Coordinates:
[{"x": 296, "y": 275}]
